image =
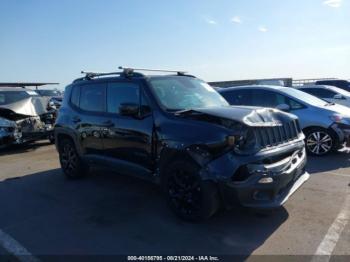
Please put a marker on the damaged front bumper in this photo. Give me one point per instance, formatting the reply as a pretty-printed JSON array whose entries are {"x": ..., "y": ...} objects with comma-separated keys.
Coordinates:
[
  {"x": 7, "y": 132},
  {"x": 16, "y": 136},
  {"x": 265, "y": 180},
  {"x": 343, "y": 132}
]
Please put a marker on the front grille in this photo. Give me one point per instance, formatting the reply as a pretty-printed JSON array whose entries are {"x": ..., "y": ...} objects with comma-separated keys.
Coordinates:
[{"x": 276, "y": 135}]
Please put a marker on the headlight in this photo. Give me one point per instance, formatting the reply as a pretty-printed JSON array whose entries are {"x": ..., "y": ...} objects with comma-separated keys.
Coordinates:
[
  {"x": 231, "y": 140},
  {"x": 235, "y": 141},
  {"x": 337, "y": 118},
  {"x": 340, "y": 119},
  {"x": 242, "y": 142}
]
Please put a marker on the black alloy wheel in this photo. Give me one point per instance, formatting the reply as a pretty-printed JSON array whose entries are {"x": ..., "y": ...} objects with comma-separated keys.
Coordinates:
[
  {"x": 71, "y": 163},
  {"x": 188, "y": 195}
]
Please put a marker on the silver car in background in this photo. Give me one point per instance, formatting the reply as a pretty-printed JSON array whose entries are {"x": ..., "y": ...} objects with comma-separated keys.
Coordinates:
[
  {"x": 24, "y": 116},
  {"x": 326, "y": 125},
  {"x": 330, "y": 94}
]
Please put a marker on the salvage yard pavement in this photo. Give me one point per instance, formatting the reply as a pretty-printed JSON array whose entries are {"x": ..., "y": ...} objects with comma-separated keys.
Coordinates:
[{"x": 109, "y": 214}]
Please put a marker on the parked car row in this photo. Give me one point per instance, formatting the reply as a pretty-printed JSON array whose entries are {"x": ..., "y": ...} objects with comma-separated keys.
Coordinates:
[
  {"x": 180, "y": 133},
  {"x": 55, "y": 96},
  {"x": 206, "y": 148},
  {"x": 331, "y": 94}
]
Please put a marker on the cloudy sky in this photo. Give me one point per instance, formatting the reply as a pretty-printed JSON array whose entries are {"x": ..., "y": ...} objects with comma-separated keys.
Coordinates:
[{"x": 215, "y": 40}]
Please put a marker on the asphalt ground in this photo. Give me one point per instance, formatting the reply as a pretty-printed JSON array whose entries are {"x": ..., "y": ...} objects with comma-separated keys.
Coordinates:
[{"x": 46, "y": 214}]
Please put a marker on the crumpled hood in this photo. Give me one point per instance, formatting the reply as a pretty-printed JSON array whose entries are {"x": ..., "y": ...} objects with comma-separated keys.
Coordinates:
[
  {"x": 250, "y": 116},
  {"x": 31, "y": 106}
]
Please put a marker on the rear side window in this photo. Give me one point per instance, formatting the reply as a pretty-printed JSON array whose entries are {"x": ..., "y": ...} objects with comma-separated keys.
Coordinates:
[
  {"x": 266, "y": 98},
  {"x": 74, "y": 99},
  {"x": 238, "y": 97},
  {"x": 121, "y": 93},
  {"x": 93, "y": 97}
]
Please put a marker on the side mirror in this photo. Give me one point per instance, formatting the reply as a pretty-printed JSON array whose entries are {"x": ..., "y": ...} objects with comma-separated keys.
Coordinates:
[
  {"x": 283, "y": 107},
  {"x": 338, "y": 96},
  {"x": 129, "y": 109}
]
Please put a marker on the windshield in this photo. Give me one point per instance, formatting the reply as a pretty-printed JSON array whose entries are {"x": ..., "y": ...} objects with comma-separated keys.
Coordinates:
[
  {"x": 182, "y": 93},
  {"x": 8, "y": 97},
  {"x": 305, "y": 97},
  {"x": 49, "y": 92},
  {"x": 339, "y": 90}
]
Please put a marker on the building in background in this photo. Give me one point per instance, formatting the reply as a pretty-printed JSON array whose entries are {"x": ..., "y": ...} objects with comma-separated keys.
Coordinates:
[{"x": 269, "y": 81}]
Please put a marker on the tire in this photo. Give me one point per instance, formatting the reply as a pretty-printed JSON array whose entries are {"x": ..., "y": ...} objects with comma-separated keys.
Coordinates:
[
  {"x": 320, "y": 141},
  {"x": 73, "y": 167},
  {"x": 51, "y": 139},
  {"x": 191, "y": 198}
]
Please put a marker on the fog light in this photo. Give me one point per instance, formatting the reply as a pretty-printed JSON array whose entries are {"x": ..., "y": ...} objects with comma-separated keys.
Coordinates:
[{"x": 266, "y": 180}]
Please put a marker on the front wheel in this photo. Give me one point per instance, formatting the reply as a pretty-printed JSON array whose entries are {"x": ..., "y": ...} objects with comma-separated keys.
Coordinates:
[
  {"x": 190, "y": 197},
  {"x": 320, "y": 141}
]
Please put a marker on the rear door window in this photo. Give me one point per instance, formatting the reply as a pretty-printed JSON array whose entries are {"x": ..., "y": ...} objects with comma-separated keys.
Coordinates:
[
  {"x": 93, "y": 97},
  {"x": 267, "y": 98}
]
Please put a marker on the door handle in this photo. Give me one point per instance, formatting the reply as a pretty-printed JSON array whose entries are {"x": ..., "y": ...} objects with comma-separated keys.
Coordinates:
[
  {"x": 108, "y": 123},
  {"x": 76, "y": 119}
]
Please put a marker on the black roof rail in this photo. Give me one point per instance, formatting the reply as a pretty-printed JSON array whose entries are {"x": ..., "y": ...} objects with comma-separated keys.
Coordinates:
[
  {"x": 127, "y": 72},
  {"x": 130, "y": 70}
]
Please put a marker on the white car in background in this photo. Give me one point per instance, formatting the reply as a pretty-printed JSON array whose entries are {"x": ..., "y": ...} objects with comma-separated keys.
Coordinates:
[{"x": 330, "y": 94}]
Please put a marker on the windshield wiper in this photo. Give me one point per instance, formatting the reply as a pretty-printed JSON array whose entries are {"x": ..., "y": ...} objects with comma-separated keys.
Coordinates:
[
  {"x": 330, "y": 104},
  {"x": 187, "y": 112}
]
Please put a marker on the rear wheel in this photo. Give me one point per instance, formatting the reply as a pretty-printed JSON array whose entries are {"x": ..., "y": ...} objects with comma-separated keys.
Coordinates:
[
  {"x": 190, "y": 197},
  {"x": 71, "y": 163},
  {"x": 320, "y": 141}
]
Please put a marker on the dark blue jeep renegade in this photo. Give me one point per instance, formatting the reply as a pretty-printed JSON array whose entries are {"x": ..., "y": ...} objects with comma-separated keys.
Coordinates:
[{"x": 177, "y": 131}]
